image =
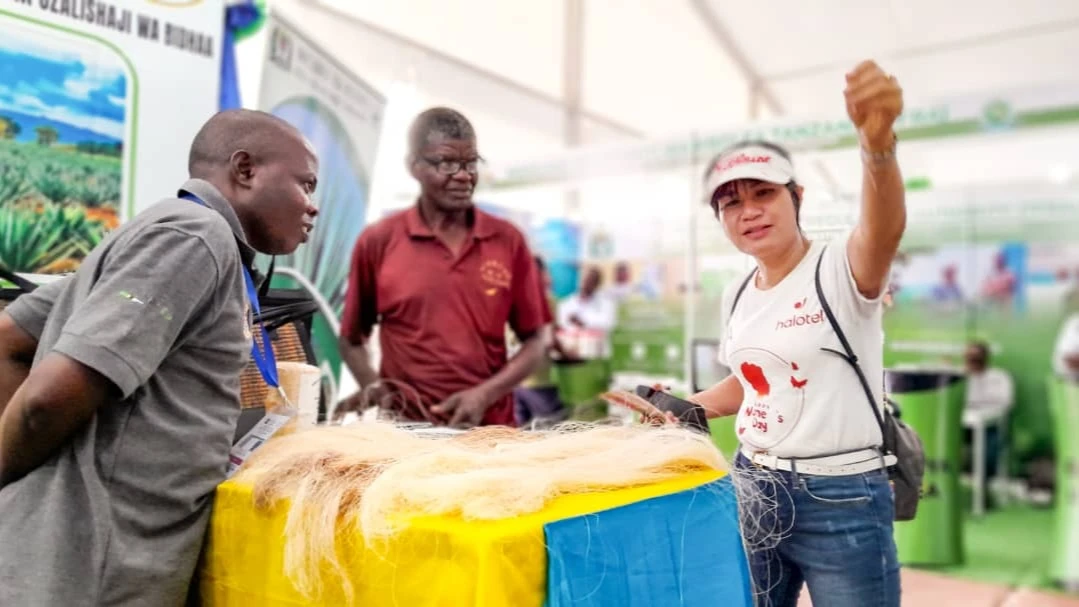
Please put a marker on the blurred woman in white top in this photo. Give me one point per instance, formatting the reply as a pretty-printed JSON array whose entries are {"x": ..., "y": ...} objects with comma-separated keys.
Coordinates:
[{"x": 810, "y": 444}]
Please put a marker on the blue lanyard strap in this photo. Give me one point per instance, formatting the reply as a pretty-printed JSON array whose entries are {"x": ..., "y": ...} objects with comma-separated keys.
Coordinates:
[{"x": 264, "y": 360}]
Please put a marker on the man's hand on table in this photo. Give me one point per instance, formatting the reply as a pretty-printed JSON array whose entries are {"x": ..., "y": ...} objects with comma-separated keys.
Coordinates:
[
  {"x": 371, "y": 396},
  {"x": 464, "y": 409}
]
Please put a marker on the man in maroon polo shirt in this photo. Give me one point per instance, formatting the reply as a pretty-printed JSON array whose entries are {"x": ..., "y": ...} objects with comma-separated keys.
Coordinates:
[{"x": 442, "y": 279}]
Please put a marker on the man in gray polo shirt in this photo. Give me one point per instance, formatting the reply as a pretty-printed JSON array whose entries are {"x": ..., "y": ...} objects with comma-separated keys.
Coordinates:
[{"x": 120, "y": 384}]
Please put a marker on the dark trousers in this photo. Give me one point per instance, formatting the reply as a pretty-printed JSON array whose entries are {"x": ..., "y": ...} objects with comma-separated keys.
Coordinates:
[{"x": 992, "y": 449}]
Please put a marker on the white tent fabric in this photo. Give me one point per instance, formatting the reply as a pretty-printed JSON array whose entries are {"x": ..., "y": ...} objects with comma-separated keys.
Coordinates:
[{"x": 652, "y": 68}]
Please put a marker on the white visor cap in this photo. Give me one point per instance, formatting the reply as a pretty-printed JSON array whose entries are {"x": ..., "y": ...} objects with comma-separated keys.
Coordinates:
[{"x": 750, "y": 162}]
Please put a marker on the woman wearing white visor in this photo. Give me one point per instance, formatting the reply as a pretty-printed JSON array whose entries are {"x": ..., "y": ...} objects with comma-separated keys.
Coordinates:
[{"x": 810, "y": 443}]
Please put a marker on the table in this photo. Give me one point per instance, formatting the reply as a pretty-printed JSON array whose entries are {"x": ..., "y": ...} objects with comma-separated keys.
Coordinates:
[{"x": 638, "y": 546}]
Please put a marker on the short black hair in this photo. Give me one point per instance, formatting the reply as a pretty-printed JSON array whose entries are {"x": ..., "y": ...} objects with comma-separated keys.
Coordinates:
[
  {"x": 982, "y": 348},
  {"x": 444, "y": 121},
  {"x": 257, "y": 133},
  {"x": 724, "y": 190}
]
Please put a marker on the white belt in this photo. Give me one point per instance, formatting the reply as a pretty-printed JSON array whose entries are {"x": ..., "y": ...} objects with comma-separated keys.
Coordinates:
[{"x": 856, "y": 462}]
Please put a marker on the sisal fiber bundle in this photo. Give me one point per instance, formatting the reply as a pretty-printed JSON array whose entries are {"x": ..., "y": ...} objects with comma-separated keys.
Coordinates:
[{"x": 373, "y": 479}]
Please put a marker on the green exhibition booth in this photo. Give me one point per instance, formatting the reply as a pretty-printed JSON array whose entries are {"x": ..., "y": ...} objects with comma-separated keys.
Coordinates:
[
  {"x": 1064, "y": 402},
  {"x": 931, "y": 401}
]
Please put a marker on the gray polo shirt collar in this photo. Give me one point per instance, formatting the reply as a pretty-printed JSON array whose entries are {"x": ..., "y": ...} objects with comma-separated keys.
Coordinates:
[{"x": 213, "y": 199}]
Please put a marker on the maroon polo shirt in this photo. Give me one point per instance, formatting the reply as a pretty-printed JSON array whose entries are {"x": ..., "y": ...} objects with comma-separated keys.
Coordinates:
[{"x": 443, "y": 320}]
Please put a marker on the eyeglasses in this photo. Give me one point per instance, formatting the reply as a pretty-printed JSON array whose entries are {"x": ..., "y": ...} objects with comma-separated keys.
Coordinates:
[{"x": 451, "y": 167}]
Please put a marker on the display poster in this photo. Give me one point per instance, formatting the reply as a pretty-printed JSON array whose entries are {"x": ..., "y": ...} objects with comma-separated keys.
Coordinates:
[
  {"x": 558, "y": 242},
  {"x": 341, "y": 115},
  {"x": 98, "y": 104},
  {"x": 997, "y": 267}
]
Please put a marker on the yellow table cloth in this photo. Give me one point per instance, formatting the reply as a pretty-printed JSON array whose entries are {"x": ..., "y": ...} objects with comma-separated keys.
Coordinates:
[{"x": 437, "y": 562}]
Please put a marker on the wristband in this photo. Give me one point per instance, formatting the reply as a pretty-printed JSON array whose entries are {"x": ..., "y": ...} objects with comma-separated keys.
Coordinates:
[{"x": 881, "y": 156}]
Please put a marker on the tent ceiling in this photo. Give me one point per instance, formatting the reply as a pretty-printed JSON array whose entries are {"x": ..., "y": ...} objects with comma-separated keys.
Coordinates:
[
  {"x": 649, "y": 65},
  {"x": 936, "y": 48},
  {"x": 658, "y": 67}
]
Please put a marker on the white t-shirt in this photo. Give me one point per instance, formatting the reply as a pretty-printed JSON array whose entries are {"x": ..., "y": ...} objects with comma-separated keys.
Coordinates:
[
  {"x": 1067, "y": 345},
  {"x": 989, "y": 393},
  {"x": 599, "y": 312},
  {"x": 799, "y": 400}
]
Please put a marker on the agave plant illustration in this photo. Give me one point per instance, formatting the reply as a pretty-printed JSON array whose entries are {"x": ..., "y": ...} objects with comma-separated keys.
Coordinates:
[
  {"x": 13, "y": 184},
  {"x": 45, "y": 194},
  {"x": 34, "y": 237}
]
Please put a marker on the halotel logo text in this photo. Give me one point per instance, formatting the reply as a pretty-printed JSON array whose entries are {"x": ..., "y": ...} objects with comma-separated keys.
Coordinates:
[{"x": 801, "y": 320}]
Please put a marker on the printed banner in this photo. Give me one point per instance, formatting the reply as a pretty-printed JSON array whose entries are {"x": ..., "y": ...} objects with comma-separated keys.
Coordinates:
[
  {"x": 342, "y": 117},
  {"x": 98, "y": 103},
  {"x": 1030, "y": 107}
]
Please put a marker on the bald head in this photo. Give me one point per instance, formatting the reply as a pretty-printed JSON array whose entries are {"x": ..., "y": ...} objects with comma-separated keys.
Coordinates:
[
  {"x": 266, "y": 170},
  {"x": 259, "y": 134}
]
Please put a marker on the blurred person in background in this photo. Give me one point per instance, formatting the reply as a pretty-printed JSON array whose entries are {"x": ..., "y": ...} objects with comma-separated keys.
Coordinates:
[
  {"x": 1001, "y": 284},
  {"x": 441, "y": 280},
  {"x": 589, "y": 308},
  {"x": 537, "y": 398},
  {"x": 948, "y": 291},
  {"x": 990, "y": 394},
  {"x": 1066, "y": 350},
  {"x": 623, "y": 286},
  {"x": 814, "y": 496},
  {"x": 120, "y": 384}
]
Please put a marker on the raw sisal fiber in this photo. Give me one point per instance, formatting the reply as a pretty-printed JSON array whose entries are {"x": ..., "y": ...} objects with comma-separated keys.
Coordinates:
[{"x": 372, "y": 479}]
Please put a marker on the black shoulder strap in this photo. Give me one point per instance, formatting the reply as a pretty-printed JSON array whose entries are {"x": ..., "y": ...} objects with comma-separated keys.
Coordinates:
[
  {"x": 25, "y": 285},
  {"x": 848, "y": 353},
  {"x": 741, "y": 289},
  {"x": 265, "y": 288}
]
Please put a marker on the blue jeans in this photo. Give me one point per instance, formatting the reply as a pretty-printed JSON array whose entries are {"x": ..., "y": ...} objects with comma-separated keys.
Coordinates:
[{"x": 833, "y": 533}]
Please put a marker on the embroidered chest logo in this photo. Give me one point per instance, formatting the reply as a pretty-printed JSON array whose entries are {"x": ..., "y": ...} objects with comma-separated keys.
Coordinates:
[
  {"x": 801, "y": 318},
  {"x": 494, "y": 275}
]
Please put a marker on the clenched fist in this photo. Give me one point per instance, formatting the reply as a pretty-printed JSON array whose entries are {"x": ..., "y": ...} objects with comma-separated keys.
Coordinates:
[{"x": 874, "y": 100}]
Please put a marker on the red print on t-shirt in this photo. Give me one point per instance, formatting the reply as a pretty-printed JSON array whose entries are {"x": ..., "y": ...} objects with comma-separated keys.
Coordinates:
[
  {"x": 755, "y": 377},
  {"x": 797, "y": 383}
]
